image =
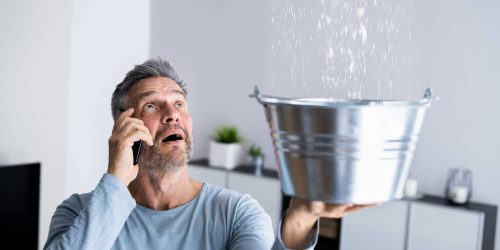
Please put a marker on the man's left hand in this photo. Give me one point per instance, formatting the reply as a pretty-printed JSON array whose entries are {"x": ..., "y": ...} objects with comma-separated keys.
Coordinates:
[{"x": 302, "y": 215}]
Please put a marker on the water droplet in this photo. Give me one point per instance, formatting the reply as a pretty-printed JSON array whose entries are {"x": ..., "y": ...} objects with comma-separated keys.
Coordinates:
[
  {"x": 362, "y": 31},
  {"x": 361, "y": 12}
]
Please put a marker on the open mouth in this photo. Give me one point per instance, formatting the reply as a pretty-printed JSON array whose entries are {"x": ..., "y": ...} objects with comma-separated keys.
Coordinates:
[{"x": 172, "y": 138}]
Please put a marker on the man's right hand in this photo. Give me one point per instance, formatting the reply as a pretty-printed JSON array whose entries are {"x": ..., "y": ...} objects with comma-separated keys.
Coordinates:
[{"x": 126, "y": 131}]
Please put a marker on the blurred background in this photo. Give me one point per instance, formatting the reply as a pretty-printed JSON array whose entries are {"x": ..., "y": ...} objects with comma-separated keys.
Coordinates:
[{"x": 61, "y": 60}]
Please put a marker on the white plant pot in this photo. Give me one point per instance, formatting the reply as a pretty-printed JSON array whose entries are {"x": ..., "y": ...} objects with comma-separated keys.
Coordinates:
[{"x": 227, "y": 155}]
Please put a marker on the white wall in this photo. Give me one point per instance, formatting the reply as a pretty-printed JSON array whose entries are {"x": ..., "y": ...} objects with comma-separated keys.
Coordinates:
[
  {"x": 107, "y": 39},
  {"x": 458, "y": 49},
  {"x": 222, "y": 49},
  {"x": 59, "y": 64},
  {"x": 34, "y": 74}
]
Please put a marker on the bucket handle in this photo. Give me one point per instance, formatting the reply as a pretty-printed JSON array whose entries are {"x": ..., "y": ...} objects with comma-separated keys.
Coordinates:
[
  {"x": 263, "y": 99},
  {"x": 429, "y": 96},
  {"x": 256, "y": 94}
]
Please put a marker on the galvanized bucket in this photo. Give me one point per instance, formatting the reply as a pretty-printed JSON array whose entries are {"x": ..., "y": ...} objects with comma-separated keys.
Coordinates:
[{"x": 344, "y": 151}]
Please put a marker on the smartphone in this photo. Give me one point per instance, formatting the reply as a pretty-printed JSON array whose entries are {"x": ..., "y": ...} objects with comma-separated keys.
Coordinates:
[{"x": 136, "y": 149}]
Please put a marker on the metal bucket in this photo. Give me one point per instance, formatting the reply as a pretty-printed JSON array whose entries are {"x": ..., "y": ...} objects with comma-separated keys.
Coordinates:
[{"x": 344, "y": 151}]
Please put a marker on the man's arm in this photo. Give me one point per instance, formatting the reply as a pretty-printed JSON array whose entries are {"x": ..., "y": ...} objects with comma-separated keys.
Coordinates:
[
  {"x": 309, "y": 237},
  {"x": 300, "y": 225},
  {"x": 299, "y": 228},
  {"x": 95, "y": 224},
  {"x": 252, "y": 228}
]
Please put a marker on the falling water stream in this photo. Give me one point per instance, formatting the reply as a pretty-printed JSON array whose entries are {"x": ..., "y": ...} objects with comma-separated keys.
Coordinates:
[{"x": 340, "y": 48}]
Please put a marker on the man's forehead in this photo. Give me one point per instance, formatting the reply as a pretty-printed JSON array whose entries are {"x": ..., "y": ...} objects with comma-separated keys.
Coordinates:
[{"x": 161, "y": 85}]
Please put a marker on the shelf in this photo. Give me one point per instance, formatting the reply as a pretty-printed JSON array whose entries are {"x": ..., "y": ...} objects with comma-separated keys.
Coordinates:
[{"x": 245, "y": 169}]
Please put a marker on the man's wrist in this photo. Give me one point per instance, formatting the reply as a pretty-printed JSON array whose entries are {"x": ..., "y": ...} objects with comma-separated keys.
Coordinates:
[
  {"x": 301, "y": 217},
  {"x": 124, "y": 181},
  {"x": 297, "y": 228},
  {"x": 300, "y": 211}
]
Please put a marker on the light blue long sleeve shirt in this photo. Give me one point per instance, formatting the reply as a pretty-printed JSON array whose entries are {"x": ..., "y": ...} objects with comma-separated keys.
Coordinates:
[{"x": 109, "y": 218}]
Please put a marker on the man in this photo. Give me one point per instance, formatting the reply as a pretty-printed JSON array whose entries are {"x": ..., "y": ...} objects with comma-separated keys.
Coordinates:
[{"x": 155, "y": 204}]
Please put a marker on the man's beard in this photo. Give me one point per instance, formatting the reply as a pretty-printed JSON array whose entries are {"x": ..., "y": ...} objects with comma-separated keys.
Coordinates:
[{"x": 158, "y": 163}]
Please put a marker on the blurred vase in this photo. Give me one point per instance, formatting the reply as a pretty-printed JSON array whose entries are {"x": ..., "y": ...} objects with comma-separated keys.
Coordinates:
[
  {"x": 459, "y": 185},
  {"x": 258, "y": 164}
]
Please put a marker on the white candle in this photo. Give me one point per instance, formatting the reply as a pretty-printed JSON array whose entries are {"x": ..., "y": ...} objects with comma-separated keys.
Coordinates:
[
  {"x": 411, "y": 188},
  {"x": 459, "y": 194}
]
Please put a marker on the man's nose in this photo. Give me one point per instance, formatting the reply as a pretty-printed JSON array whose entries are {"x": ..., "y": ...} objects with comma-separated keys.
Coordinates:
[{"x": 170, "y": 116}]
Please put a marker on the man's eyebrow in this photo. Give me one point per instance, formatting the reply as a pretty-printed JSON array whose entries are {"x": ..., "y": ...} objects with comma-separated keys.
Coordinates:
[
  {"x": 152, "y": 92},
  {"x": 180, "y": 92},
  {"x": 145, "y": 94}
]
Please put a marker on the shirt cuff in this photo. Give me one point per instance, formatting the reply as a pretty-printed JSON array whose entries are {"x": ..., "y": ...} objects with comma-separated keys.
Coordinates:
[{"x": 111, "y": 189}]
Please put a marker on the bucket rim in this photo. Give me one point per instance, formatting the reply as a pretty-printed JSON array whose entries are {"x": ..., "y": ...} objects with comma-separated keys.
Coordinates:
[{"x": 333, "y": 103}]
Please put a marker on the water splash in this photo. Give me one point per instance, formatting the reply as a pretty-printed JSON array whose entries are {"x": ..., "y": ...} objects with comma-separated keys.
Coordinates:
[{"x": 340, "y": 48}]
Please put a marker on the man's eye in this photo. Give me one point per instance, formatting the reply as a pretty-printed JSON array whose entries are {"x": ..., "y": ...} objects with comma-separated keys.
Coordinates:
[
  {"x": 149, "y": 107},
  {"x": 179, "y": 104}
]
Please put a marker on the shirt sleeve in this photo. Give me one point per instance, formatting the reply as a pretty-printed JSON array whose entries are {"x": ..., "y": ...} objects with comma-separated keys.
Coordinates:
[
  {"x": 95, "y": 224},
  {"x": 252, "y": 228}
]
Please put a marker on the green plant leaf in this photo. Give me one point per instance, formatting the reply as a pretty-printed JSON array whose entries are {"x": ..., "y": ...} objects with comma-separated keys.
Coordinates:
[
  {"x": 254, "y": 151},
  {"x": 227, "y": 134}
]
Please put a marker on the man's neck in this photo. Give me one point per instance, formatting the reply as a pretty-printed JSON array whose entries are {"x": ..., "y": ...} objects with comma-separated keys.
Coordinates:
[{"x": 166, "y": 191}]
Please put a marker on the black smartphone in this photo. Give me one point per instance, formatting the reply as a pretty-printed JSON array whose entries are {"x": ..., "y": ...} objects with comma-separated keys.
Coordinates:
[{"x": 136, "y": 149}]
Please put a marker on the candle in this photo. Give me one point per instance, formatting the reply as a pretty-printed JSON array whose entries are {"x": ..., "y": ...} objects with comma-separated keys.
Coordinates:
[
  {"x": 459, "y": 194},
  {"x": 411, "y": 188}
]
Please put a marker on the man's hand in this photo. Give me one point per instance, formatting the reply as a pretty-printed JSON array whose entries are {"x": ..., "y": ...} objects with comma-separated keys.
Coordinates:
[
  {"x": 302, "y": 215},
  {"x": 126, "y": 131}
]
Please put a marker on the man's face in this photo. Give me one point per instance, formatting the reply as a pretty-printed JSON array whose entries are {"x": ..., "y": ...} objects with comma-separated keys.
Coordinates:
[{"x": 161, "y": 104}]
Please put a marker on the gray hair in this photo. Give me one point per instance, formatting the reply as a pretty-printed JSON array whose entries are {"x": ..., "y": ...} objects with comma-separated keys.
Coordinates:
[{"x": 151, "y": 68}]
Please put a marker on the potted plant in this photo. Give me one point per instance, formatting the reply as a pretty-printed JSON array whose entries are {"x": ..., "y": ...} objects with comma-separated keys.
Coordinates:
[
  {"x": 256, "y": 158},
  {"x": 226, "y": 148}
]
